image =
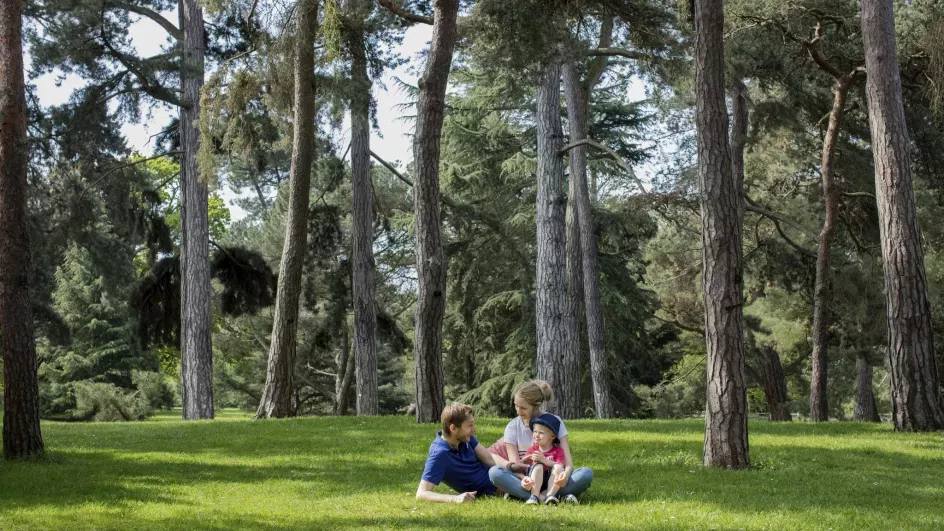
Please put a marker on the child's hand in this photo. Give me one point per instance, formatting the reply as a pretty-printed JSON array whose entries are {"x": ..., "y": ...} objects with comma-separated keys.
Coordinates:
[
  {"x": 528, "y": 459},
  {"x": 527, "y": 483}
]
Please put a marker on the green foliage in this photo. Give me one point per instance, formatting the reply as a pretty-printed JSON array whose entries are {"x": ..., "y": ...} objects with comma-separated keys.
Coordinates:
[{"x": 102, "y": 374}]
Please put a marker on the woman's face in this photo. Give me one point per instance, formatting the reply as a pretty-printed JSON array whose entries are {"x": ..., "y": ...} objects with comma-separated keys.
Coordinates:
[{"x": 524, "y": 409}]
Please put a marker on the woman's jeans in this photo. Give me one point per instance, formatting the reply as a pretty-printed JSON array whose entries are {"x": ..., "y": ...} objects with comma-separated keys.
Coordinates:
[{"x": 509, "y": 483}]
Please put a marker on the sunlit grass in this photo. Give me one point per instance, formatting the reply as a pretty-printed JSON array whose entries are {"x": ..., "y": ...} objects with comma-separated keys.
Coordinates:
[{"x": 318, "y": 473}]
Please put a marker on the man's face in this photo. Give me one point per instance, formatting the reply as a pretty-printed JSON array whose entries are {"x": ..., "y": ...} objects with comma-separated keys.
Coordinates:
[
  {"x": 465, "y": 431},
  {"x": 543, "y": 436}
]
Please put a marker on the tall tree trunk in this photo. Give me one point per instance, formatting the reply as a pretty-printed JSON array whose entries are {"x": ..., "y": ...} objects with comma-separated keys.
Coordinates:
[
  {"x": 551, "y": 244},
  {"x": 276, "y": 398},
  {"x": 917, "y": 404},
  {"x": 22, "y": 436},
  {"x": 726, "y": 443},
  {"x": 365, "y": 312},
  {"x": 430, "y": 261},
  {"x": 568, "y": 393},
  {"x": 775, "y": 386},
  {"x": 865, "y": 409},
  {"x": 578, "y": 115},
  {"x": 819, "y": 410},
  {"x": 196, "y": 349}
]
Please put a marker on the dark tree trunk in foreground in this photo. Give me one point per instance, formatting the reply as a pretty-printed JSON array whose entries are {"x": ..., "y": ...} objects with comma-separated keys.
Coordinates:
[
  {"x": 819, "y": 410},
  {"x": 550, "y": 307},
  {"x": 775, "y": 386},
  {"x": 864, "y": 409},
  {"x": 21, "y": 432},
  {"x": 365, "y": 313},
  {"x": 430, "y": 261},
  {"x": 915, "y": 389},
  {"x": 277, "y": 396},
  {"x": 196, "y": 349},
  {"x": 578, "y": 115},
  {"x": 726, "y": 442}
]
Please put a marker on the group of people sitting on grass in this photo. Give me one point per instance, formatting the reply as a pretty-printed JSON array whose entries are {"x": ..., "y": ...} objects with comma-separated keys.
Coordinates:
[{"x": 532, "y": 462}]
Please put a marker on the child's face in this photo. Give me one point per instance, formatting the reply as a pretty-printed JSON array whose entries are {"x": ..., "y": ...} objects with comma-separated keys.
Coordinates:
[{"x": 543, "y": 436}]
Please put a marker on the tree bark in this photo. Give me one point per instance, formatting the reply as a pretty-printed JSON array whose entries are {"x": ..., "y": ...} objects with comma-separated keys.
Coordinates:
[
  {"x": 345, "y": 374},
  {"x": 864, "y": 409},
  {"x": 568, "y": 393},
  {"x": 365, "y": 316},
  {"x": 196, "y": 349},
  {"x": 22, "y": 436},
  {"x": 775, "y": 386},
  {"x": 917, "y": 404},
  {"x": 819, "y": 410},
  {"x": 277, "y": 396},
  {"x": 578, "y": 116},
  {"x": 551, "y": 245},
  {"x": 430, "y": 261},
  {"x": 726, "y": 443}
]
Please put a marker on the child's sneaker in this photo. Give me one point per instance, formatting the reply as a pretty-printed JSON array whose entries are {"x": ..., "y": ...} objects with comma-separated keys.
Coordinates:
[
  {"x": 551, "y": 500},
  {"x": 571, "y": 500},
  {"x": 533, "y": 500}
]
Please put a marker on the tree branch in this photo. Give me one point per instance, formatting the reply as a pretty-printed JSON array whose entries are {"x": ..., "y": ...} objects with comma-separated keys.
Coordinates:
[
  {"x": 392, "y": 7},
  {"x": 675, "y": 322},
  {"x": 614, "y": 155},
  {"x": 754, "y": 207},
  {"x": 128, "y": 165},
  {"x": 619, "y": 52},
  {"x": 168, "y": 26}
]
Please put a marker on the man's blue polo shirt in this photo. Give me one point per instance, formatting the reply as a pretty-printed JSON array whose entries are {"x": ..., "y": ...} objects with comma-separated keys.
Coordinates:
[{"x": 459, "y": 468}]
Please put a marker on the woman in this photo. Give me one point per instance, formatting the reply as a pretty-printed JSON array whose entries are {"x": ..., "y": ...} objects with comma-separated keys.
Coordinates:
[{"x": 529, "y": 397}]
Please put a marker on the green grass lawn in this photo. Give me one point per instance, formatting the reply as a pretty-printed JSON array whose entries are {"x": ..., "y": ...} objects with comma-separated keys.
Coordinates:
[{"x": 320, "y": 473}]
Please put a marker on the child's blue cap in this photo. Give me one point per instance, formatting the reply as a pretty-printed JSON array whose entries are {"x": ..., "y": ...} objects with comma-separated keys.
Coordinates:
[{"x": 547, "y": 420}]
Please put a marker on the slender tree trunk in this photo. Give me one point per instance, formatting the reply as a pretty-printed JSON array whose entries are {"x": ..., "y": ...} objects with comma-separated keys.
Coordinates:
[
  {"x": 578, "y": 114},
  {"x": 568, "y": 394},
  {"x": 865, "y": 409},
  {"x": 365, "y": 316},
  {"x": 430, "y": 261},
  {"x": 22, "y": 436},
  {"x": 276, "y": 398},
  {"x": 344, "y": 377},
  {"x": 551, "y": 244},
  {"x": 775, "y": 386},
  {"x": 917, "y": 404},
  {"x": 196, "y": 349},
  {"x": 819, "y": 410},
  {"x": 726, "y": 443}
]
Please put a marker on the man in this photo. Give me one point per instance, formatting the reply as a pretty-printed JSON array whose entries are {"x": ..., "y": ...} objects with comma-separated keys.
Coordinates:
[{"x": 457, "y": 459}]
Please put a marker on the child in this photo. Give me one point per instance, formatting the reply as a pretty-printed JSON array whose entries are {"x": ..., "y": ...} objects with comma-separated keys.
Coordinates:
[{"x": 547, "y": 461}]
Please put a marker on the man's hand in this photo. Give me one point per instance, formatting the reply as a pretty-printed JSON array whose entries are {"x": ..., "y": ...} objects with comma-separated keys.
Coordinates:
[
  {"x": 527, "y": 483},
  {"x": 465, "y": 497}
]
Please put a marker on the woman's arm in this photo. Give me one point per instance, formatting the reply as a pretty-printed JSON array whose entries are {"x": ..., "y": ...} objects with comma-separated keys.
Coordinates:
[
  {"x": 568, "y": 461},
  {"x": 512, "y": 452}
]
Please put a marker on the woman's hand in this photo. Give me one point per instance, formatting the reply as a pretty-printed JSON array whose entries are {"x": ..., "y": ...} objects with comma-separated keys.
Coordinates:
[
  {"x": 562, "y": 479},
  {"x": 527, "y": 483}
]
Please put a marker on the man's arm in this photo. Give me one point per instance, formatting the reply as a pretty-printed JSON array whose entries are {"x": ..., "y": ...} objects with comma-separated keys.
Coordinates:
[
  {"x": 425, "y": 492},
  {"x": 484, "y": 455}
]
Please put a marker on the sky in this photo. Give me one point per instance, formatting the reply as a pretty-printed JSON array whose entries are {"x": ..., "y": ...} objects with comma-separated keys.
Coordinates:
[{"x": 392, "y": 142}]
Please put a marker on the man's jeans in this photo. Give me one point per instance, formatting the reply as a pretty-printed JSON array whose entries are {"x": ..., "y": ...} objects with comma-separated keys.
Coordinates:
[{"x": 579, "y": 481}]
